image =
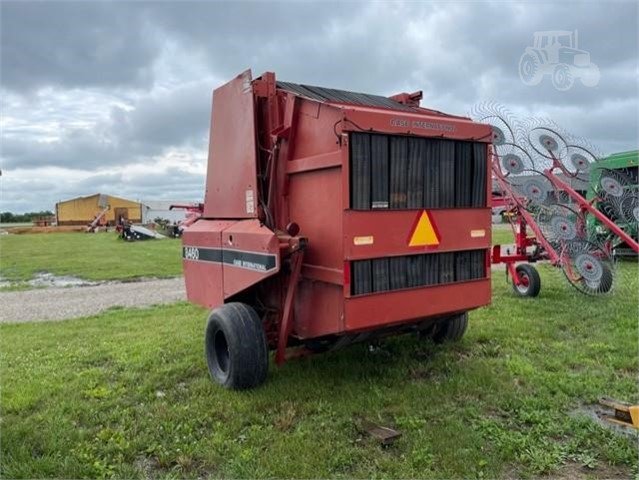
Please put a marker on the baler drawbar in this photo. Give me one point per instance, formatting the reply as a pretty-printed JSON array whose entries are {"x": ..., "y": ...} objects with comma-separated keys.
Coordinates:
[{"x": 332, "y": 217}]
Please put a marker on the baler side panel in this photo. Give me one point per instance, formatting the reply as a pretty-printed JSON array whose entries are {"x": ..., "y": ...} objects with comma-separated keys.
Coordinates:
[
  {"x": 319, "y": 309},
  {"x": 315, "y": 203},
  {"x": 231, "y": 181},
  {"x": 201, "y": 244},
  {"x": 250, "y": 254}
]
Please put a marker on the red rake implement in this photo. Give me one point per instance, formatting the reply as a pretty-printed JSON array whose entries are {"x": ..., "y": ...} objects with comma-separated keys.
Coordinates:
[{"x": 537, "y": 167}]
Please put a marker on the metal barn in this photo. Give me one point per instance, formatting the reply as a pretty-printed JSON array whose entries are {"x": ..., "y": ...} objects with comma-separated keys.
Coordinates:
[{"x": 82, "y": 210}]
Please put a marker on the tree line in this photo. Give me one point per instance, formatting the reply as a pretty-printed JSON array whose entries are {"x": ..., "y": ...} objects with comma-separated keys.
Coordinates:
[{"x": 8, "y": 217}]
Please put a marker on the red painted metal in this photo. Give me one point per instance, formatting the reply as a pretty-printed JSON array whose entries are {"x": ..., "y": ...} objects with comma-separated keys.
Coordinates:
[
  {"x": 391, "y": 308},
  {"x": 391, "y": 231},
  {"x": 292, "y": 151},
  {"x": 286, "y": 325},
  {"x": 193, "y": 212},
  {"x": 204, "y": 280},
  {"x": 247, "y": 236},
  {"x": 232, "y": 152}
]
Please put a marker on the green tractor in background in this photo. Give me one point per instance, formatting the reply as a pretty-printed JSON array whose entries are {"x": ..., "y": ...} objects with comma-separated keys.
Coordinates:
[{"x": 614, "y": 189}]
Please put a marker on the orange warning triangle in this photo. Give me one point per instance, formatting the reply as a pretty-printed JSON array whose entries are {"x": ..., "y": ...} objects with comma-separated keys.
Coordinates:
[{"x": 424, "y": 234}]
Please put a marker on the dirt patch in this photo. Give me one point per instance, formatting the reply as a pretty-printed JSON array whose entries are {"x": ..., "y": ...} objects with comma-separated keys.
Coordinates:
[
  {"x": 572, "y": 471},
  {"x": 60, "y": 303}
]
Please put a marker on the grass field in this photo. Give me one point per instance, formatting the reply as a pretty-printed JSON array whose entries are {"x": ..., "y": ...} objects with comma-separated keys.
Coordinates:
[
  {"x": 127, "y": 394},
  {"x": 101, "y": 256},
  {"x": 503, "y": 234}
]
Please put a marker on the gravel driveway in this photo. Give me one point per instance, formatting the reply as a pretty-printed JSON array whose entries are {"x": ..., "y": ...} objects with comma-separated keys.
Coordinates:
[{"x": 71, "y": 302}]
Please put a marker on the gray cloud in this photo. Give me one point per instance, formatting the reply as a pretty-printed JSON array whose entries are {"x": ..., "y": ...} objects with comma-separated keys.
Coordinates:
[
  {"x": 95, "y": 93},
  {"x": 71, "y": 44}
]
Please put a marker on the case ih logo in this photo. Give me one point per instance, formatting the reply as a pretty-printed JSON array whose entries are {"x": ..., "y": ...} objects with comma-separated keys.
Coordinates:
[{"x": 421, "y": 124}]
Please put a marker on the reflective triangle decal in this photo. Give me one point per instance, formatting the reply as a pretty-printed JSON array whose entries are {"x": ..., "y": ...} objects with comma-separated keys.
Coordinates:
[{"x": 424, "y": 233}]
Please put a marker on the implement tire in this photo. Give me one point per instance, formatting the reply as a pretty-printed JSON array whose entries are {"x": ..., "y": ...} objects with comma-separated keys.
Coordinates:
[
  {"x": 451, "y": 329},
  {"x": 530, "y": 281},
  {"x": 235, "y": 347}
]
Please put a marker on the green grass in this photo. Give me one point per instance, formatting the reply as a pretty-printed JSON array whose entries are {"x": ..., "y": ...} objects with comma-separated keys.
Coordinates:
[
  {"x": 127, "y": 394},
  {"x": 100, "y": 256},
  {"x": 503, "y": 234}
]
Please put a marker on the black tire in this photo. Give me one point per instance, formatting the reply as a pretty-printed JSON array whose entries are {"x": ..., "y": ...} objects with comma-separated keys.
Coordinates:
[
  {"x": 451, "y": 330},
  {"x": 531, "y": 281},
  {"x": 235, "y": 347}
]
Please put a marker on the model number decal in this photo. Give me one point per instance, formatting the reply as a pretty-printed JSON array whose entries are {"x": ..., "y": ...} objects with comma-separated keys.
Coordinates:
[
  {"x": 191, "y": 253},
  {"x": 255, "y": 261},
  {"x": 421, "y": 124}
]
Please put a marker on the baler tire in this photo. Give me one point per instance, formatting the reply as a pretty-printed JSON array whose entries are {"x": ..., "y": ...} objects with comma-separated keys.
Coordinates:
[
  {"x": 452, "y": 329},
  {"x": 235, "y": 347},
  {"x": 532, "y": 277}
]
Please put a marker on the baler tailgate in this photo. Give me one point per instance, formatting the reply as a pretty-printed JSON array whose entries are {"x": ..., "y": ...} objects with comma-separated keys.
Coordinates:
[{"x": 400, "y": 172}]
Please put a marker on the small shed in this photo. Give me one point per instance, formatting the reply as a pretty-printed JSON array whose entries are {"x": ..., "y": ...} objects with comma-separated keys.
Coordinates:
[
  {"x": 83, "y": 210},
  {"x": 154, "y": 209}
]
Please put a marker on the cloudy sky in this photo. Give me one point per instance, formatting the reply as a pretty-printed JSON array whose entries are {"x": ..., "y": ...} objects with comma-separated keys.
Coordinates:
[{"x": 115, "y": 97}]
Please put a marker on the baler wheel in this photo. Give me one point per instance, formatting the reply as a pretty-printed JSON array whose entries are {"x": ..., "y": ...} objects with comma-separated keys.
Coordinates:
[
  {"x": 530, "y": 282},
  {"x": 452, "y": 329},
  {"x": 235, "y": 346}
]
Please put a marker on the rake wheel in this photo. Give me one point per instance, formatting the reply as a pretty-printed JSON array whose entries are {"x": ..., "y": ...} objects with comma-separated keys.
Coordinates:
[{"x": 588, "y": 267}]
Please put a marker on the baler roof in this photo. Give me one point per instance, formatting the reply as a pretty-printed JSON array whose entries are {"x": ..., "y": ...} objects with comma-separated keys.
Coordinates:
[{"x": 331, "y": 95}]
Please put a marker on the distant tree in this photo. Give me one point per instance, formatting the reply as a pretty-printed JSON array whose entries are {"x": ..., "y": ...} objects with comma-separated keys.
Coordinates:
[{"x": 8, "y": 217}]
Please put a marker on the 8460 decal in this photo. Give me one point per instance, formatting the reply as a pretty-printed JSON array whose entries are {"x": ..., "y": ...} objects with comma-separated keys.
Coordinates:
[{"x": 255, "y": 261}]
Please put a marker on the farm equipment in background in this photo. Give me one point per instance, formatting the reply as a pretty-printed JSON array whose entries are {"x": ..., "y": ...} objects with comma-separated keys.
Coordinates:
[
  {"x": 193, "y": 212},
  {"x": 333, "y": 217},
  {"x": 98, "y": 221},
  {"x": 620, "y": 169},
  {"x": 132, "y": 233},
  {"x": 537, "y": 165}
]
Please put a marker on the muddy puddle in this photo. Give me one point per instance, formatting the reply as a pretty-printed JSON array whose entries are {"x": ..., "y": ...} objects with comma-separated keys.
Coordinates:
[
  {"x": 596, "y": 413},
  {"x": 47, "y": 280}
]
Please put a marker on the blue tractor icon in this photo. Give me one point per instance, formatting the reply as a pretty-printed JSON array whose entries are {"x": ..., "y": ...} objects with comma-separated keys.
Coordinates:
[{"x": 556, "y": 53}]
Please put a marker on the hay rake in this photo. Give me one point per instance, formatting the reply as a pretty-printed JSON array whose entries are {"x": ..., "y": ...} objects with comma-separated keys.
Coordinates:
[{"x": 536, "y": 165}]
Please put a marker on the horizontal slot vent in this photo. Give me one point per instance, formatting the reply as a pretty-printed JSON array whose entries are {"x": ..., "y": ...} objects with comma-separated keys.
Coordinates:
[
  {"x": 404, "y": 172},
  {"x": 409, "y": 271}
]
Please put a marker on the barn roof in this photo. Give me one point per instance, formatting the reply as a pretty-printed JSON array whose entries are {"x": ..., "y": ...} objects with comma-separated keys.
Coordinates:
[{"x": 102, "y": 198}]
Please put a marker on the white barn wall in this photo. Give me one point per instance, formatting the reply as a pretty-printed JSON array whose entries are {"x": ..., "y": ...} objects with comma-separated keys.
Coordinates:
[{"x": 160, "y": 209}]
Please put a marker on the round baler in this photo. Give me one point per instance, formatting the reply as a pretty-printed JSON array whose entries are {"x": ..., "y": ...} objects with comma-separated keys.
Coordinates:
[{"x": 333, "y": 217}]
